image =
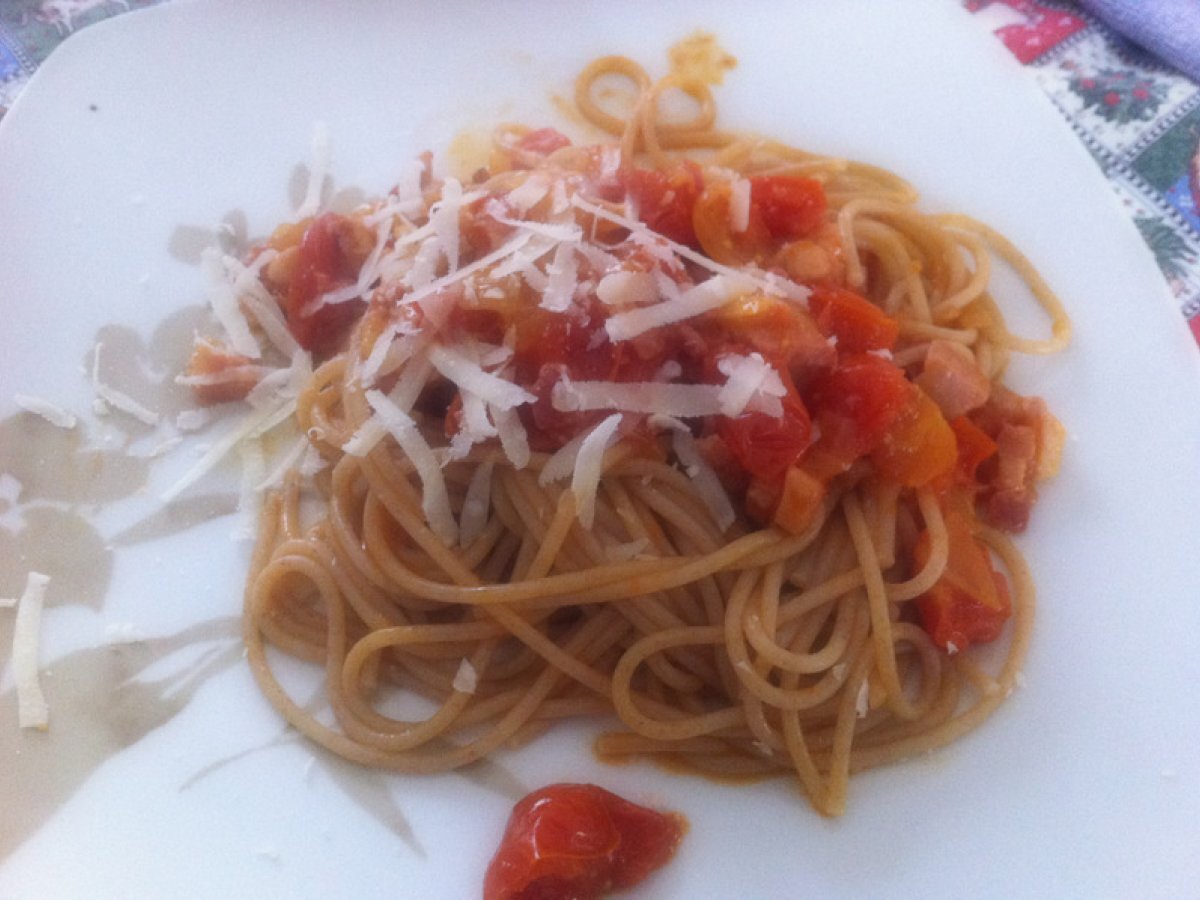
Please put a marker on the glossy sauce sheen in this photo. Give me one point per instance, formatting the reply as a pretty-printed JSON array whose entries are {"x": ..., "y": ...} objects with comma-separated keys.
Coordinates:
[{"x": 579, "y": 841}]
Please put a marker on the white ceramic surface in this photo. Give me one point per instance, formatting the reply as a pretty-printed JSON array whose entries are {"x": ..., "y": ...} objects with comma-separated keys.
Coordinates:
[{"x": 1086, "y": 784}]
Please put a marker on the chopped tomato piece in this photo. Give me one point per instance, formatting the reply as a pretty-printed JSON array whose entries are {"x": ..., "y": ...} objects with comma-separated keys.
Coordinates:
[
  {"x": 331, "y": 252},
  {"x": 974, "y": 446},
  {"x": 544, "y": 141},
  {"x": 855, "y": 406},
  {"x": 800, "y": 501},
  {"x": 919, "y": 447},
  {"x": 775, "y": 328},
  {"x": 713, "y": 221},
  {"x": 579, "y": 841},
  {"x": 791, "y": 206},
  {"x": 970, "y": 603},
  {"x": 227, "y": 376},
  {"x": 665, "y": 199},
  {"x": 765, "y": 445},
  {"x": 857, "y": 323}
]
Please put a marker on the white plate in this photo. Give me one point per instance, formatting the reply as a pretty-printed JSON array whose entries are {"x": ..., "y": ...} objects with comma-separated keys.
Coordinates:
[{"x": 1087, "y": 783}]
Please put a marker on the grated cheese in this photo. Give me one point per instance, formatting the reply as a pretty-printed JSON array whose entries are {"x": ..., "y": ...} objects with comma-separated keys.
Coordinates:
[
  {"x": 443, "y": 216},
  {"x": 513, "y": 439},
  {"x": 562, "y": 278},
  {"x": 52, "y": 413},
  {"x": 110, "y": 396},
  {"x": 470, "y": 376},
  {"x": 708, "y": 295},
  {"x": 768, "y": 281},
  {"x": 321, "y": 152},
  {"x": 466, "y": 679},
  {"x": 750, "y": 378},
  {"x": 708, "y": 485},
  {"x": 435, "y": 500},
  {"x": 477, "y": 503},
  {"x": 223, "y": 301},
  {"x": 683, "y": 401},
  {"x": 589, "y": 466},
  {"x": 32, "y": 709},
  {"x": 625, "y": 288}
]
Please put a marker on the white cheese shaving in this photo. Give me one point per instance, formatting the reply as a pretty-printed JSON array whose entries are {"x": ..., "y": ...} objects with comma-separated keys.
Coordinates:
[
  {"x": 365, "y": 438},
  {"x": 951, "y": 648},
  {"x": 476, "y": 504},
  {"x": 443, "y": 216},
  {"x": 193, "y": 419},
  {"x": 321, "y": 152},
  {"x": 750, "y": 378},
  {"x": 51, "y": 412},
  {"x": 257, "y": 423},
  {"x": 110, "y": 396},
  {"x": 739, "y": 205},
  {"x": 683, "y": 401},
  {"x": 625, "y": 288},
  {"x": 253, "y": 468},
  {"x": 589, "y": 466},
  {"x": 469, "y": 376},
  {"x": 483, "y": 262},
  {"x": 708, "y": 485},
  {"x": 562, "y": 462},
  {"x": 466, "y": 679},
  {"x": 555, "y": 233},
  {"x": 768, "y": 282},
  {"x": 123, "y": 633},
  {"x": 32, "y": 710},
  {"x": 225, "y": 306},
  {"x": 289, "y": 458},
  {"x": 513, "y": 439},
  {"x": 529, "y": 193},
  {"x": 254, "y": 299},
  {"x": 862, "y": 701},
  {"x": 695, "y": 301},
  {"x": 435, "y": 500},
  {"x": 562, "y": 277}
]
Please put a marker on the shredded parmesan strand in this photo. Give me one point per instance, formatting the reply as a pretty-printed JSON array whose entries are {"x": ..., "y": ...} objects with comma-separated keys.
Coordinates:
[
  {"x": 321, "y": 152},
  {"x": 32, "y": 710},
  {"x": 708, "y": 485},
  {"x": 251, "y": 426},
  {"x": 435, "y": 500},
  {"x": 477, "y": 503},
  {"x": 683, "y": 401},
  {"x": 118, "y": 399},
  {"x": 51, "y": 412},
  {"x": 767, "y": 282},
  {"x": 466, "y": 678},
  {"x": 589, "y": 464}
]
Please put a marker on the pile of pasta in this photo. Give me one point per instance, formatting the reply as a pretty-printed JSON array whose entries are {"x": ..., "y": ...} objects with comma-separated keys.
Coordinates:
[{"x": 691, "y": 433}]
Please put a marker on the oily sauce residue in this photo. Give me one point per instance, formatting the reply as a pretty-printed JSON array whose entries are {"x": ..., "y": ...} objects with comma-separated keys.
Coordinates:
[{"x": 699, "y": 58}]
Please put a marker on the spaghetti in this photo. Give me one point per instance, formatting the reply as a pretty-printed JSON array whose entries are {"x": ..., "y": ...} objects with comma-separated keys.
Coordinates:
[{"x": 691, "y": 432}]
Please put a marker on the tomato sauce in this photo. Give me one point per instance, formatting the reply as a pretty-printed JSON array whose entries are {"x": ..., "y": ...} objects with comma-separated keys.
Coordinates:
[{"x": 579, "y": 842}]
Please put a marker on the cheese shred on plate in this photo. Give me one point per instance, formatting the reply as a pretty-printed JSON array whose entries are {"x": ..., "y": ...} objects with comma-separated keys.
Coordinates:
[{"x": 32, "y": 711}]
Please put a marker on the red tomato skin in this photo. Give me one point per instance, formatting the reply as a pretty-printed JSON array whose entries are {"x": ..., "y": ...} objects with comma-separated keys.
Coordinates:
[
  {"x": 578, "y": 841},
  {"x": 324, "y": 264},
  {"x": 665, "y": 199},
  {"x": 791, "y": 206},
  {"x": 857, "y": 403},
  {"x": 857, "y": 323},
  {"x": 970, "y": 603},
  {"x": 767, "y": 446}
]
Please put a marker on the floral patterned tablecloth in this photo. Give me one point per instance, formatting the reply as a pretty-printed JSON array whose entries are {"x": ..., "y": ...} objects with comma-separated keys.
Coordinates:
[{"x": 1139, "y": 118}]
